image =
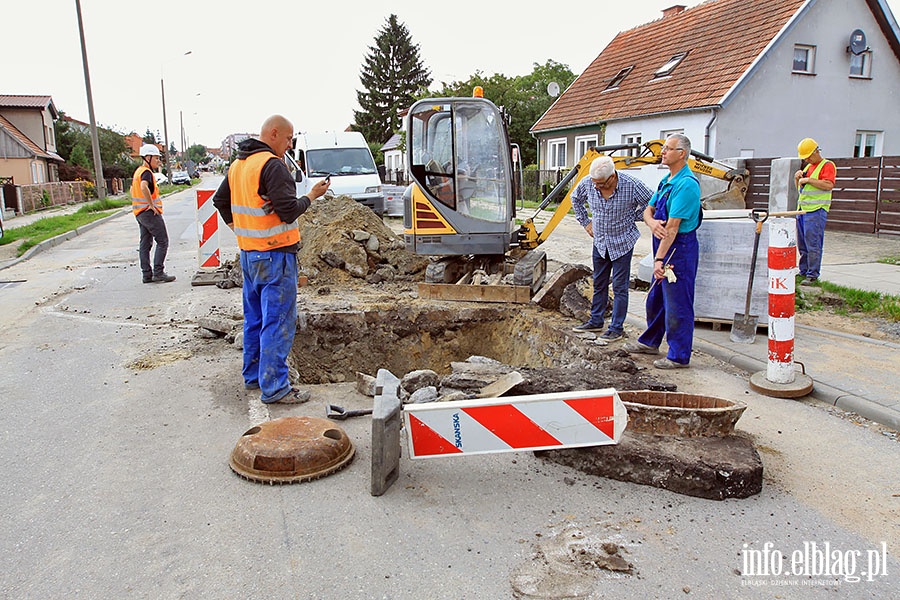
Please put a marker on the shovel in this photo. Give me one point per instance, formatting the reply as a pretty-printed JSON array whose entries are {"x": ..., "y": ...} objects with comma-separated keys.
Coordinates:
[{"x": 743, "y": 330}]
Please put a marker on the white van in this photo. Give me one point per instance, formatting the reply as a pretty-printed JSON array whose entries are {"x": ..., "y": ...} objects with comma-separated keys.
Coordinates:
[{"x": 346, "y": 157}]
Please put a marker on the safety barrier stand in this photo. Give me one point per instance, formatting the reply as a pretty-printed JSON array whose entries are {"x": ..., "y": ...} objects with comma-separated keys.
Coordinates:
[
  {"x": 208, "y": 234},
  {"x": 780, "y": 379}
]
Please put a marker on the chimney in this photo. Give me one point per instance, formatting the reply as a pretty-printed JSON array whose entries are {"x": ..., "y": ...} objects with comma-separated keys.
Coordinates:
[{"x": 673, "y": 10}]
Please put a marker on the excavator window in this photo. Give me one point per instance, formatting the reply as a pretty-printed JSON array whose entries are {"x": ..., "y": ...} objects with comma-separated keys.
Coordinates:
[{"x": 460, "y": 154}]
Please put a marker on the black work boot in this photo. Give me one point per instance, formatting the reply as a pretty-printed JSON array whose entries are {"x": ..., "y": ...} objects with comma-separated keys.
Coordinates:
[{"x": 163, "y": 278}]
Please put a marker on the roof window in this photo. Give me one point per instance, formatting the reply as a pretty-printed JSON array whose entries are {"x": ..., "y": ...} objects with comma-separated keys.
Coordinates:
[
  {"x": 670, "y": 65},
  {"x": 615, "y": 81}
]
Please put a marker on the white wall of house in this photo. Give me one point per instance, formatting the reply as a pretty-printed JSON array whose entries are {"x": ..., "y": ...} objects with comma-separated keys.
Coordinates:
[
  {"x": 36, "y": 124},
  {"x": 394, "y": 160},
  {"x": 776, "y": 108},
  {"x": 692, "y": 124}
]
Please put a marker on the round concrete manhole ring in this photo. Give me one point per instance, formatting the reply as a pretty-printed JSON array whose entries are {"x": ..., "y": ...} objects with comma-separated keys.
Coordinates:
[
  {"x": 681, "y": 414},
  {"x": 291, "y": 450}
]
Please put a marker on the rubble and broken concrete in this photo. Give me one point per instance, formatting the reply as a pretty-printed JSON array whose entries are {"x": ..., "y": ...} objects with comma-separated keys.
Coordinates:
[{"x": 362, "y": 314}]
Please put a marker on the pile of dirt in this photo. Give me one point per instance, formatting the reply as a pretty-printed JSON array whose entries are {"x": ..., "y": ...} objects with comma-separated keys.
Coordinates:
[{"x": 343, "y": 240}]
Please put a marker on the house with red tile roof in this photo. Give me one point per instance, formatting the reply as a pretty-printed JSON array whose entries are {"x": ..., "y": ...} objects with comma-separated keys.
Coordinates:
[
  {"x": 741, "y": 79},
  {"x": 28, "y": 139}
]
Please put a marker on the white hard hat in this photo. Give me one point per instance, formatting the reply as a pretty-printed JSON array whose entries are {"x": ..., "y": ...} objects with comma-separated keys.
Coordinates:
[{"x": 149, "y": 150}]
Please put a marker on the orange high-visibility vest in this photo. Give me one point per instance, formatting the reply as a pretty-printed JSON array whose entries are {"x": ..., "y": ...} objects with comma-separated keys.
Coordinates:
[
  {"x": 138, "y": 203},
  {"x": 256, "y": 225}
]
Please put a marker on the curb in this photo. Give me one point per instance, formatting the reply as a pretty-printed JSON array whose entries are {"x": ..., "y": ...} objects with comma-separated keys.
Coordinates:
[
  {"x": 823, "y": 392},
  {"x": 59, "y": 239}
]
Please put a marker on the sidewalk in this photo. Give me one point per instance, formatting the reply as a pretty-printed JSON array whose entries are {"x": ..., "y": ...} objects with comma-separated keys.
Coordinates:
[
  {"x": 854, "y": 373},
  {"x": 8, "y": 259}
]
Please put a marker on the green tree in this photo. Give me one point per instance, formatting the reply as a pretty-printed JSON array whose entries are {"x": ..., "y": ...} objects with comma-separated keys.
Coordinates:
[
  {"x": 73, "y": 143},
  {"x": 79, "y": 158},
  {"x": 524, "y": 98},
  {"x": 149, "y": 137},
  {"x": 198, "y": 154},
  {"x": 392, "y": 74}
]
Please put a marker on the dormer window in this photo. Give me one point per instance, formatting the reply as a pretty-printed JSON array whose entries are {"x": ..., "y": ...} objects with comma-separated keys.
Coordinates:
[
  {"x": 615, "y": 81},
  {"x": 670, "y": 65}
]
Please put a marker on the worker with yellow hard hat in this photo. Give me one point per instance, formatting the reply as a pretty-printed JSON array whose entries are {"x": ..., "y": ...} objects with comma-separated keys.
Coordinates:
[{"x": 814, "y": 182}]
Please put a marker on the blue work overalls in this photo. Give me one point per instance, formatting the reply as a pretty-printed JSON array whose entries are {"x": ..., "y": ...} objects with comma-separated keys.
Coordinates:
[{"x": 670, "y": 306}]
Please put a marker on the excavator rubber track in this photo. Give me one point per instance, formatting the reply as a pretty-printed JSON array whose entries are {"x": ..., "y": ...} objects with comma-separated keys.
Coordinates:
[{"x": 485, "y": 279}]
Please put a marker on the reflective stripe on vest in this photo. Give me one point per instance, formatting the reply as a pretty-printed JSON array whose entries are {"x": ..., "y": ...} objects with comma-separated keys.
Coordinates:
[
  {"x": 138, "y": 203},
  {"x": 811, "y": 197},
  {"x": 256, "y": 225}
]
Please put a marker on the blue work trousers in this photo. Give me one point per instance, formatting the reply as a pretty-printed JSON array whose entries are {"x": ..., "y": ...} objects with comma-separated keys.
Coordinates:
[
  {"x": 270, "y": 320},
  {"x": 670, "y": 306},
  {"x": 620, "y": 269},
  {"x": 810, "y": 241}
]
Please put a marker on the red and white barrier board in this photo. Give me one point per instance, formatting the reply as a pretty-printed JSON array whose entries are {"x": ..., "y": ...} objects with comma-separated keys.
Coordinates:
[
  {"x": 207, "y": 230},
  {"x": 515, "y": 423}
]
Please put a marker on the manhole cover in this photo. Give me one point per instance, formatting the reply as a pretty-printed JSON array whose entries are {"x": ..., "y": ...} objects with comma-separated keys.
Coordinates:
[{"x": 291, "y": 450}]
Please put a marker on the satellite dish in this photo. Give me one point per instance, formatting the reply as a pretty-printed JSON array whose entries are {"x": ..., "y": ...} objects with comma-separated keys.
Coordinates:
[
  {"x": 858, "y": 41},
  {"x": 553, "y": 89}
]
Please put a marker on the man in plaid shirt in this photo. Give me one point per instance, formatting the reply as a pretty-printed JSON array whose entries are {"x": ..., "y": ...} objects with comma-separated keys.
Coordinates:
[{"x": 616, "y": 201}]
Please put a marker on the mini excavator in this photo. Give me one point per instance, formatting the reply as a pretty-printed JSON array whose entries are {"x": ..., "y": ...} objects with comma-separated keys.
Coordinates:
[{"x": 466, "y": 181}]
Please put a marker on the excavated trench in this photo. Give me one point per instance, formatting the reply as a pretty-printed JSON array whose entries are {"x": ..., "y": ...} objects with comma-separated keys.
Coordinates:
[
  {"x": 334, "y": 345},
  {"x": 359, "y": 312}
]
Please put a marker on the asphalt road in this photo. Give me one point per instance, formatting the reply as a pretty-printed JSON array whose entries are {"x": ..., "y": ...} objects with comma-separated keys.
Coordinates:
[{"x": 118, "y": 420}]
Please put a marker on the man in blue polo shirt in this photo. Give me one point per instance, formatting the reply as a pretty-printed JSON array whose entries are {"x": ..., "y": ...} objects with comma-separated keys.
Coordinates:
[
  {"x": 616, "y": 201},
  {"x": 673, "y": 216}
]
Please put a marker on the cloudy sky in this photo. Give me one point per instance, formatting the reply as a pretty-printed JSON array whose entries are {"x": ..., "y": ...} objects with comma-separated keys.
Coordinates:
[{"x": 299, "y": 58}]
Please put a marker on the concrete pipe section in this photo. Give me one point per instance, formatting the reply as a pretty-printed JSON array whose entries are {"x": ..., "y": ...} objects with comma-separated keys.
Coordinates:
[{"x": 291, "y": 450}]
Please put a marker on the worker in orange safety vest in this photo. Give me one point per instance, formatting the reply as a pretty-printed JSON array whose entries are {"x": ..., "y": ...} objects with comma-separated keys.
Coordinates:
[
  {"x": 147, "y": 208},
  {"x": 258, "y": 201}
]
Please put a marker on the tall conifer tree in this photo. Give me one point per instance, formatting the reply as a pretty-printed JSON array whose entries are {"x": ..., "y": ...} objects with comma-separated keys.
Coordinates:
[{"x": 391, "y": 76}]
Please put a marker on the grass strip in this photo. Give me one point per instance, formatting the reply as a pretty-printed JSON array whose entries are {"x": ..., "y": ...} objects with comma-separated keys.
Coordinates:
[{"x": 49, "y": 227}]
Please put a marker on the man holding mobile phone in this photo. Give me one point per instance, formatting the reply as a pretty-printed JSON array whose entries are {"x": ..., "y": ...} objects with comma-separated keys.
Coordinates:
[{"x": 257, "y": 200}]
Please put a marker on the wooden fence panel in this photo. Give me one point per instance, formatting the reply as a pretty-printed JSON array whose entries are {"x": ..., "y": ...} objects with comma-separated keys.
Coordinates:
[
  {"x": 758, "y": 188},
  {"x": 855, "y": 194},
  {"x": 887, "y": 217}
]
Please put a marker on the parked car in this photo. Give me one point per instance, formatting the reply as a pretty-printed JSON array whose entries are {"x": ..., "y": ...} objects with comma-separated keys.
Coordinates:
[
  {"x": 179, "y": 177},
  {"x": 161, "y": 178}
]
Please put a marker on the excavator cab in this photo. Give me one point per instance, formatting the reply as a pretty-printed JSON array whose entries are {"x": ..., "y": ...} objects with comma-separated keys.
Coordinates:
[{"x": 461, "y": 201}]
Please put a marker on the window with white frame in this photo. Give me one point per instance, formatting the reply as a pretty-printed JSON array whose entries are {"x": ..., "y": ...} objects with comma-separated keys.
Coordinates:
[
  {"x": 868, "y": 143},
  {"x": 556, "y": 153},
  {"x": 861, "y": 65},
  {"x": 667, "y": 132},
  {"x": 804, "y": 59},
  {"x": 37, "y": 172},
  {"x": 632, "y": 138},
  {"x": 582, "y": 143}
]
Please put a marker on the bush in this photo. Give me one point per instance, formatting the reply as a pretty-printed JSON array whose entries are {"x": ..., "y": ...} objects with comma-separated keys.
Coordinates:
[{"x": 69, "y": 172}]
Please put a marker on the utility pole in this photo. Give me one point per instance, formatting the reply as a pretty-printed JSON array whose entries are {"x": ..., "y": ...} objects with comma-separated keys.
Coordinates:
[
  {"x": 99, "y": 181},
  {"x": 162, "y": 87}
]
